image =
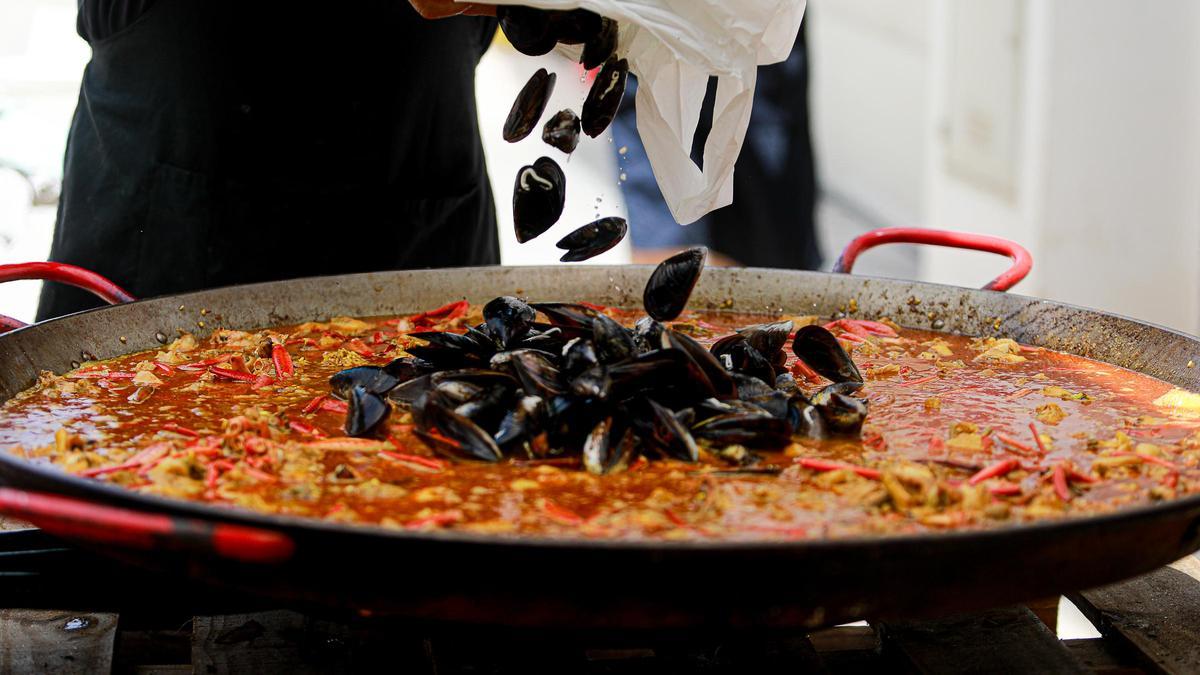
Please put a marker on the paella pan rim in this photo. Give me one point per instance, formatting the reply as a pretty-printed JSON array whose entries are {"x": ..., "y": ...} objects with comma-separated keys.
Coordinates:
[{"x": 22, "y": 470}]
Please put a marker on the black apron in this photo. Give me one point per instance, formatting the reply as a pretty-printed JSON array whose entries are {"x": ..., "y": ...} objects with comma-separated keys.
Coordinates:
[{"x": 220, "y": 142}]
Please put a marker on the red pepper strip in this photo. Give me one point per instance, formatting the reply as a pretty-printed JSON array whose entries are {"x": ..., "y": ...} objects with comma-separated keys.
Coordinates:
[
  {"x": 201, "y": 365},
  {"x": 873, "y": 327},
  {"x": 305, "y": 428},
  {"x": 283, "y": 362},
  {"x": 210, "y": 476},
  {"x": 439, "y": 519},
  {"x": 400, "y": 428},
  {"x": 222, "y": 464},
  {"x": 852, "y": 328},
  {"x": 335, "y": 406},
  {"x": 675, "y": 519},
  {"x": 449, "y": 311},
  {"x": 312, "y": 405},
  {"x": 1004, "y": 489},
  {"x": 920, "y": 380},
  {"x": 111, "y": 375},
  {"x": 307, "y": 342},
  {"x": 826, "y": 465},
  {"x": 437, "y": 435},
  {"x": 182, "y": 431},
  {"x": 801, "y": 369},
  {"x": 593, "y": 306},
  {"x": 560, "y": 514},
  {"x": 101, "y": 470},
  {"x": 1001, "y": 468},
  {"x": 262, "y": 381},
  {"x": 260, "y": 475},
  {"x": 852, "y": 337},
  {"x": 1077, "y": 477},
  {"x": 427, "y": 462},
  {"x": 1060, "y": 483},
  {"x": 1009, "y": 440},
  {"x": 1037, "y": 438},
  {"x": 239, "y": 375},
  {"x": 1019, "y": 393},
  {"x": 639, "y": 464},
  {"x": 1158, "y": 460},
  {"x": 1171, "y": 480},
  {"x": 358, "y": 347},
  {"x": 167, "y": 370}
]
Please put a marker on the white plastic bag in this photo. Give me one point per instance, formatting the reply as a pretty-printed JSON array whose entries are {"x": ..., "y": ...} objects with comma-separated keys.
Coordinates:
[{"x": 673, "y": 46}]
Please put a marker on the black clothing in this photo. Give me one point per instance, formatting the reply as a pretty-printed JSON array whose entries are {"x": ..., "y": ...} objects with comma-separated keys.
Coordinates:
[{"x": 220, "y": 142}]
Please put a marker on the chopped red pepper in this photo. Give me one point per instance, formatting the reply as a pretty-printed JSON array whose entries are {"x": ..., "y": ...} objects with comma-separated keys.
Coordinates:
[
  {"x": 1001, "y": 468},
  {"x": 283, "y": 362},
  {"x": 826, "y": 465}
]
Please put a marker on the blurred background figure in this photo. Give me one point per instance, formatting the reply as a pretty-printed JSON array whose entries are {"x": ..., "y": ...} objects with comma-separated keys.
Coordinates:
[{"x": 771, "y": 220}]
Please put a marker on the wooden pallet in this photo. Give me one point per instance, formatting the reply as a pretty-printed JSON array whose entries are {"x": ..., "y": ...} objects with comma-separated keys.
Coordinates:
[{"x": 1150, "y": 624}]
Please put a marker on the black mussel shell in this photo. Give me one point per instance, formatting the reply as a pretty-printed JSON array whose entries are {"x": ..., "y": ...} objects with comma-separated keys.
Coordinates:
[
  {"x": 661, "y": 431},
  {"x": 567, "y": 315},
  {"x": 409, "y": 392},
  {"x": 367, "y": 411},
  {"x": 719, "y": 379},
  {"x": 452, "y": 350},
  {"x": 373, "y": 379},
  {"x": 600, "y": 46},
  {"x": 452, "y": 434},
  {"x": 529, "y": 106},
  {"x": 593, "y": 239},
  {"x": 508, "y": 319},
  {"x": 613, "y": 342},
  {"x": 529, "y": 30},
  {"x": 575, "y": 27},
  {"x": 648, "y": 334},
  {"x": 820, "y": 350},
  {"x": 751, "y": 430},
  {"x": 604, "y": 98},
  {"x": 407, "y": 368},
  {"x": 750, "y": 388},
  {"x": 537, "y": 373},
  {"x": 671, "y": 284},
  {"x": 805, "y": 419},
  {"x": 562, "y": 131},
  {"x": 521, "y": 422},
  {"x": 607, "y": 447},
  {"x": 768, "y": 338},
  {"x": 843, "y": 415},
  {"x": 578, "y": 355},
  {"x": 539, "y": 195}
]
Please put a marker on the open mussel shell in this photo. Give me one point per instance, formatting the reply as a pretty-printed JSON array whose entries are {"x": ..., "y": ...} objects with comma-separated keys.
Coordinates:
[
  {"x": 366, "y": 411},
  {"x": 578, "y": 355},
  {"x": 529, "y": 106},
  {"x": 749, "y": 429},
  {"x": 539, "y": 194},
  {"x": 768, "y": 338},
  {"x": 662, "y": 431},
  {"x": 718, "y": 378},
  {"x": 670, "y": 285},
  {"x": 604, "y": 98},
  {"x": 372, "y": 379},
  {"x": 529, "y": 30},
  {"x": 508, "y": 319},
  {"x": 608, "y": 447},
  {"x": 613, "y": 342},
  {"x": 600, "y": 46},
  {"x": 843, "y": 415},
  {"x": 593, "y": 239},
  {"x": 562, "y": 131},
  {"x": 452, "y": 434},
  {"x": 820, "y": 350},
  {"x": 537, "y": 373}
]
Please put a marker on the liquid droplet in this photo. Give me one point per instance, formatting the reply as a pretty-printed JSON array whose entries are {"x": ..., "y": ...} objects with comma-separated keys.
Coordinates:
[{"x": 624, "y": 149}]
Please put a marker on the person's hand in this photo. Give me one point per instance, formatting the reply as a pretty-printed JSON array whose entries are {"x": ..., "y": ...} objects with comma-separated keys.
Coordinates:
[{"x": 440, "y": 9}]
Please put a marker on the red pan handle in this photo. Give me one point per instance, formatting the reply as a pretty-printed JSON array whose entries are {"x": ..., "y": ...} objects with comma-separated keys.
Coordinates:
[
  {"x": 1022, "y": 261},
  {"x": 62, "y": 273},
  {"x": 77, "y": 519}
]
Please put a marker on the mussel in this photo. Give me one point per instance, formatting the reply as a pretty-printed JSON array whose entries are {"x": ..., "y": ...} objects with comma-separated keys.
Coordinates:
[
  {"x": 529, "y": 106},
  {"x": 607, "y": 446},
  {"x": 367, "y": 411},
  {"x": 562, "y": 131},
  {"x": 604, "y": 98},
  {"x": 670, "y": 285},
  {"x": 818, "y": 348},
  {"x": 539, "y": 195},
  {"x": 508, "y": 319},
  {"x": 600, "y": 46},
  {"x": 593, "y": 239},
  {"x": 529, "y": 30},
  {"x": 453, "y": 434}
]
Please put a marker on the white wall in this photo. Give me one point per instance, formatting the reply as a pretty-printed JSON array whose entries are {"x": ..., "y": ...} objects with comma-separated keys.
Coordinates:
[{"x": 1072, "y": 127}]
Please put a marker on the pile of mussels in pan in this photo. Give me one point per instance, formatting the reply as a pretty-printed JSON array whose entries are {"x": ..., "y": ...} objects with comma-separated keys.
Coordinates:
[
  {"x": 540, "y": 191},
  {"x": 583, "y": 384}
]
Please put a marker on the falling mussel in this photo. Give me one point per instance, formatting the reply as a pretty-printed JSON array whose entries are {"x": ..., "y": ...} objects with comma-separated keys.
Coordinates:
[
  {"x": 529, "y": 106},
  {"x": 604, "y": 98},
  {"x": 539, "y": 195},
  {"x": 562, "y": 131},
  {"x": 593, "y": 239},
  {"x": 670, "y": 285}
]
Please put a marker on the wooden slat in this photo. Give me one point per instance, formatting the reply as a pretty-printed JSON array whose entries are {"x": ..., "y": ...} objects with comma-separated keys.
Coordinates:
[
  {"x": 55, "y": 641},
  {"x": 1156, "y": 615},
  {"x": 1006, "y": 640},
  {"x": 269, "y": 642}
]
